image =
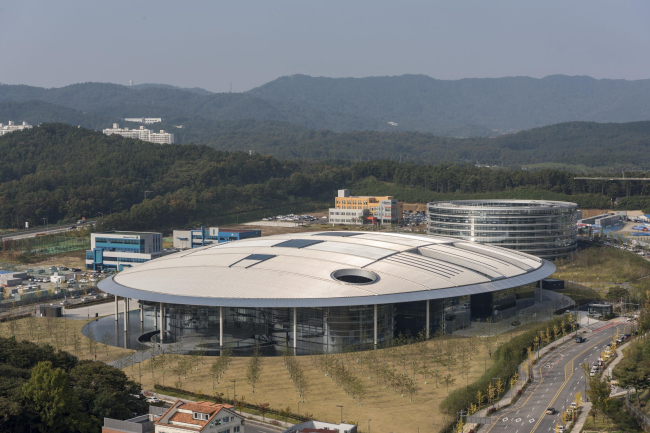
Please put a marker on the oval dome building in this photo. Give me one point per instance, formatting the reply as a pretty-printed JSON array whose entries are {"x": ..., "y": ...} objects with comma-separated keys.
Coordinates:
[{"x": 324, "y": 291}]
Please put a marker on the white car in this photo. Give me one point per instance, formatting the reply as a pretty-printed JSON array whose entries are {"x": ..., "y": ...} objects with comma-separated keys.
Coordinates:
[{"x": 152, "y": 400}]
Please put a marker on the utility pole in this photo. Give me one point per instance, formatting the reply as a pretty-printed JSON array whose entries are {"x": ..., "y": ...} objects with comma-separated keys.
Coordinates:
[{"x": 234, "y": 392}]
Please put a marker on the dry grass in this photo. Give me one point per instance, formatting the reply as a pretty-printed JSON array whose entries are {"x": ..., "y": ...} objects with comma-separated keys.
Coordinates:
[
  {"x": 61, "y": 334},
  {"x": 72, "y": 259},
  {"x": 601, "y": 267},
  {"x": 379, "y": 404}
]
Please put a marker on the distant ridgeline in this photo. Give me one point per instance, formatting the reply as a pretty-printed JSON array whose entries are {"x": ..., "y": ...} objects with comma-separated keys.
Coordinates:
[{"x": 63, "y": 173}]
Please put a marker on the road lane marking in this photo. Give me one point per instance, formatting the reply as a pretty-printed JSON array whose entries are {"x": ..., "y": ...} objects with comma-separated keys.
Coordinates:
[{"x": 561, "y": 388}]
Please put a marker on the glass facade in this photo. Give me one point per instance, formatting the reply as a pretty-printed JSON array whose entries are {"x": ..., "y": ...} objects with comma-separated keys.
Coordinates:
[
  {"x": 317, "y": 330},
  {"x": 542, "y": 228}
]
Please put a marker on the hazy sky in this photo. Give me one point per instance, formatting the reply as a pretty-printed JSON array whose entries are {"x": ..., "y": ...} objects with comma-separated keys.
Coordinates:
[{"x": 212, "y": 43}]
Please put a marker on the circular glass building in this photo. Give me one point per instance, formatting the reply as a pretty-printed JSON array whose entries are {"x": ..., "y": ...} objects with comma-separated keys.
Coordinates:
[
  {"x": 319, "y": 292},
  {"x": 546, "y": 229}
]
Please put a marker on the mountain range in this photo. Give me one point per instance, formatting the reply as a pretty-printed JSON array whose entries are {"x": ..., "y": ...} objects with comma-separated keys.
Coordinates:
[{"x": 457, "y": 108}]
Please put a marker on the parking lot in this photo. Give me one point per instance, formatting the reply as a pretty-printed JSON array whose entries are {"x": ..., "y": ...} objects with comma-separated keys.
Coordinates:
[{"x": 52, "y": 284}]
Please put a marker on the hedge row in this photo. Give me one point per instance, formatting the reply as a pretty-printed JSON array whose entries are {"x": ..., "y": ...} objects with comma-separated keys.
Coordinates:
[{"x": 506, "y": 362}]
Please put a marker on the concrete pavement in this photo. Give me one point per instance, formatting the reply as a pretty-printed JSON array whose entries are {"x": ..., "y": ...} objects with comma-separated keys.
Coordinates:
[{"x": 107, "y": 309}]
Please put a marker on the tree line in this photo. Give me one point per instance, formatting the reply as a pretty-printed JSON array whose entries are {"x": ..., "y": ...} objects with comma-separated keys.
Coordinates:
[
  {"x": 58, "y": 173},
  {"x": 48, "y": 390}
]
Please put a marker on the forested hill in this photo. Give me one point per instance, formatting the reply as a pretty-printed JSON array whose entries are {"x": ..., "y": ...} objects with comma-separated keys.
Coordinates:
[
  {"x": 63, "y": 173},
  {"x": 576, "y": 144},
  {"x": 422, "y": 103}
]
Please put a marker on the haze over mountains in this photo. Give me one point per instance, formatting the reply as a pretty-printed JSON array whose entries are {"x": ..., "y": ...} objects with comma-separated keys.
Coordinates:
[
  {"x": 467, "y": 107},
  {"x": 325, "y": 119}
]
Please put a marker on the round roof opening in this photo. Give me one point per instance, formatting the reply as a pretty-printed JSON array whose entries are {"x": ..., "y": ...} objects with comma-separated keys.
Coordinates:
[{"x": 355, "y": 276}]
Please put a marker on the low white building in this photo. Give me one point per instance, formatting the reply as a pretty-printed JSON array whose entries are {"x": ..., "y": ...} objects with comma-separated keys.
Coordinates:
[
  {"x": 11, "y": 127},
  {"x": 117, "y": 250},
  {"x": 145, "y": 120},
  {"x": 348, "y": 216},
  {"x": 143, "y": 134}
]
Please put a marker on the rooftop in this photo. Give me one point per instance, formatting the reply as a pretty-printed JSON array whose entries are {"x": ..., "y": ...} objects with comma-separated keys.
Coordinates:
[{"x": 327, "y": 269}]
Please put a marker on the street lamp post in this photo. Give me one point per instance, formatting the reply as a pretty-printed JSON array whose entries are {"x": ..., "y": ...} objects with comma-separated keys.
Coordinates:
[{"x": 338, "y": 405}]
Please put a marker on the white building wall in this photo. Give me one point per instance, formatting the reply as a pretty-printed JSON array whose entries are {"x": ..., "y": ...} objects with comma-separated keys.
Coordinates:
[
  {"x": 143, "y": 134},
  {"x": 12, "y": 127},
  {"x": 347, "y": 216}
]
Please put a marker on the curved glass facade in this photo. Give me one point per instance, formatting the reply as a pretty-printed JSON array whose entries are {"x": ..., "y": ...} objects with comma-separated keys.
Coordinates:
[
  {"x": 316, "y": 330},
  {"x": 546, "y": 229}
]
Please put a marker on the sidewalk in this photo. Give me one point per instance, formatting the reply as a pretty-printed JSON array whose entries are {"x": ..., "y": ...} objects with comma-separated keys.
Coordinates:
[
  {"x": 584, "y": 413},
  {"x": 249, "y": 416}
]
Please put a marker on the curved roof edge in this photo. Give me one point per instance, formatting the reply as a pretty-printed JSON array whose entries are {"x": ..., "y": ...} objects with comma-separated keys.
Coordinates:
[{"x": 108, "y": 285}]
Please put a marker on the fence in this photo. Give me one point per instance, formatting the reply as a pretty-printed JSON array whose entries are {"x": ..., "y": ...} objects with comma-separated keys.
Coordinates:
[{"x": 643, "y": 418}]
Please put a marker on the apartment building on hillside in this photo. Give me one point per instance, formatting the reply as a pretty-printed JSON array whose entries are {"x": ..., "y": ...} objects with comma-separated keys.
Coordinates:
[{"x": 141, "y": 133}]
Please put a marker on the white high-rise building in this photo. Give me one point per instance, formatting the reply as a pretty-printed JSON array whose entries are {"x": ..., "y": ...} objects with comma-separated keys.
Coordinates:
[
  {"x": 11, "y": 127},
  {"x": 145, "y": 120},
  {"x": 143, "y": 134}
]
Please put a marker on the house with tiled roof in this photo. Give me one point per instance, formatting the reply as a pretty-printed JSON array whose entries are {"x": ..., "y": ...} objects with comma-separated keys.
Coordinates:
[{"x": 202, "y": 416}]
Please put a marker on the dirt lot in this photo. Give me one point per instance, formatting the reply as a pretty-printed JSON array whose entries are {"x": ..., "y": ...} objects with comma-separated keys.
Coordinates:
[
  {"x": 588, "y": 213},
  {"x": 74, "y": 259}
]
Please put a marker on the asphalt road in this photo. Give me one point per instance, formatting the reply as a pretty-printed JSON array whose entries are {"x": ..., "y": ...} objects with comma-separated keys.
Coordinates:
[
  {"x": 257, "y": 428},
  {"x": 561, "y": 377},
  {"x": 30, "y": 233}
]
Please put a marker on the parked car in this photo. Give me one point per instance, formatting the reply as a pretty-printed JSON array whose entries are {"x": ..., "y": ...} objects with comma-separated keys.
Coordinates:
[
  {"x": 65, "y": 302},
  {"x": 76, "y": 296},
  {"x": 153, "y": 400}
]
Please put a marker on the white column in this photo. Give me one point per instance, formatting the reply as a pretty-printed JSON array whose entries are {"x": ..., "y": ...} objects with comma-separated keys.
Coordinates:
[
  {"x": 126, "y": 314},
  {"x": 117, "y": 308},
  {"x": 155, "y": 317},
  {"x": 375, "y": 323},
  {"x": 162, "y": 322},
  {"x": 428, "y": 327},
  {"x": 220, "y": 326},
  {"x": 141, "y": 312},
  {"x": 295, "y": 327}
]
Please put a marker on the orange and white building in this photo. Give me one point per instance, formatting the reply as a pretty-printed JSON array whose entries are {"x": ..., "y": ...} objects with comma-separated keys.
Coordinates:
[
  {"x": 365, "y": 209},
  {"x": 202, "y": 416}
]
